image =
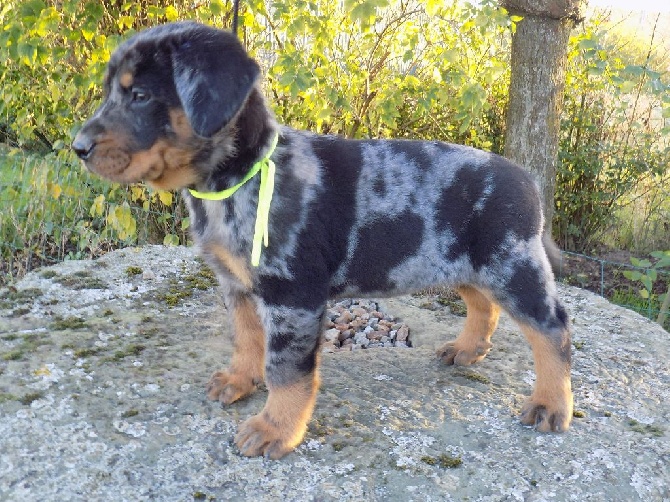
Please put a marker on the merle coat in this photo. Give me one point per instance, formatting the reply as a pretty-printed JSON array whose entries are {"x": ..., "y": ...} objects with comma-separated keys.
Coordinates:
[{"x": 183, "y": 109}]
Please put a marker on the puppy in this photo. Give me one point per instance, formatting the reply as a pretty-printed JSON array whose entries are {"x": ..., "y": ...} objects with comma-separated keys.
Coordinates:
[{"x": 289, "y": 219}]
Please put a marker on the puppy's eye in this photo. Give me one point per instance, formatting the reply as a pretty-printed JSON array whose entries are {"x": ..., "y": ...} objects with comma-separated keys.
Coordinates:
[{"x": 139, "y": 96}]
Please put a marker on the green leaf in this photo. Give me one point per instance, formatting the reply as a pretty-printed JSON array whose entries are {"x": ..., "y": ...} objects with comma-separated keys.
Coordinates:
[
  {"x": 433, "y": 7},
  {"x": 216, "y": 7},
  {"x": 32, "y": 8},
  {"x": 171, "y": 240},
  {"x": 165, "y": 197},
  {"x": 587, "y": 44},
  {"x": 171, "y": 13},
  {"x": 644, "y": 263},
  {"x": 633, "y": 275},
  {"x": 27, "y": 53},
  {"x": 451, "y": 55}
]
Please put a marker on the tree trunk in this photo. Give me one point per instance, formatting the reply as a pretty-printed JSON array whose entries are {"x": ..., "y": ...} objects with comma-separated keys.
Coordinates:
[{"x": 539, "y": 58}]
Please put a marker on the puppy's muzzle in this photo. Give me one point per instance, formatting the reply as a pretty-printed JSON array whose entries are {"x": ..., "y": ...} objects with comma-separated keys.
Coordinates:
[{"x": 83, "y": 145}]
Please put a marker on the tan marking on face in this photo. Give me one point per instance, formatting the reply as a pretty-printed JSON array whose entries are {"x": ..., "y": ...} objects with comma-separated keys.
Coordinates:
[
  {"x": 126, "y": 79},
  {"x": 178, "y": 171},
  {"x": 173, "y": 180},
  {"x": 166, "y": 165},
  {"x": 236, "y": 265},
  {"x": 180, "y": 124},
  {"x": 109, "y": 158}
]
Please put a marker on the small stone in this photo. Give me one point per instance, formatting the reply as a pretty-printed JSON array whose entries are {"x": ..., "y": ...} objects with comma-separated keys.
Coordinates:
[
  {"x": 345, "y": 318},
  {"x": 375, "y": 335},
  {"x": 361, "y": 339},
  {"x": 332, "y": 335},
  {"x": 358, "y": 311},
  {"x": 346, "y": 335},
  {"x": 402, "y": 333},
  {"x": 401, "y": 344},
  {"x": 148, "y": 275}
]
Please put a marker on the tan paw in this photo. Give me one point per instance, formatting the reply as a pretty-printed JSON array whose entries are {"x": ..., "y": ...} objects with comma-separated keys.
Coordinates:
[
  {"x": 227, "y": 387},
  {"x": 259, "y": 435},
  {"x": 547, "y": 417},
  {"x": 455, "y": 353}
]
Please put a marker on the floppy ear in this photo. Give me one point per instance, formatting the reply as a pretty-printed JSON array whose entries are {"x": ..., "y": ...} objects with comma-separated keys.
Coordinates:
[{"x": 213, "y": 76}]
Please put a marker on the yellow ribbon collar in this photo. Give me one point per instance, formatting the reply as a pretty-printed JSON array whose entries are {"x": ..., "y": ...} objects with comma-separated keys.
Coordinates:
[{"x": 267, "y": 169}]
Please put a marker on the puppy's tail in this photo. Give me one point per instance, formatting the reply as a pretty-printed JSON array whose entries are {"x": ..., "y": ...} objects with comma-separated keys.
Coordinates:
[{"x": 553, "y": 253}]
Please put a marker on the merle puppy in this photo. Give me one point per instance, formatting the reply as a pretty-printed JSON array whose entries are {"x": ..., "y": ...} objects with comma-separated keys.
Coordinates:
[{"x": 183, "y": 110}]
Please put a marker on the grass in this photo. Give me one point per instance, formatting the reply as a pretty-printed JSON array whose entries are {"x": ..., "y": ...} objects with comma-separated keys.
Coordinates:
[
  {"x": 43, "y": 203},
  {"x": 444, "y": 461},
  {"x": 630, "y": 299},
  {"x": 62, "y": 324}
]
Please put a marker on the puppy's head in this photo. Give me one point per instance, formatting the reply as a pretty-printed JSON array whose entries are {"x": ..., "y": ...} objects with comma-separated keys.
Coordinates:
[{"x": 168, "y": 91}]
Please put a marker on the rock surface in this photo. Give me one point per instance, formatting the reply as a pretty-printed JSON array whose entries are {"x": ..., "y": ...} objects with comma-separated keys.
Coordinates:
[{"x": 103, "y": 366}]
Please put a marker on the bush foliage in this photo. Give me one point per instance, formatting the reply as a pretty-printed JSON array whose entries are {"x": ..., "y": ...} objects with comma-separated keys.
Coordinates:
[{"x": 360, "y": 68}]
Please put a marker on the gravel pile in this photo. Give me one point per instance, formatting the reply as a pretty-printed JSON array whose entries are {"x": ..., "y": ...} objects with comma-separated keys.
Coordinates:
[{"x": 359, "y": 324}]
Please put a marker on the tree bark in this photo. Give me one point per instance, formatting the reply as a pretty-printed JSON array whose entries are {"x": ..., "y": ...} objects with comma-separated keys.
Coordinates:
[{"x": 538, "y": 62}]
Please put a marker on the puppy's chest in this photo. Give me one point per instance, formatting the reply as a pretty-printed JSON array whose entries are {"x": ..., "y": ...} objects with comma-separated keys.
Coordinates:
[{"x": 228, "y": 222}]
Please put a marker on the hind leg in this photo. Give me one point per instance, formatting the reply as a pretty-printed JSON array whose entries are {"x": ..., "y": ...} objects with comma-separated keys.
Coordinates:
[
  {"x": 529, "y": 295},
  {"x": 549, "y": 408},
  {"x": 474, "y": 342}
]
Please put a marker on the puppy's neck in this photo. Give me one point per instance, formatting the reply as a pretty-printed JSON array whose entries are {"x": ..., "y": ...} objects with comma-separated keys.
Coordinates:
[{"x": 249, "y": 136}]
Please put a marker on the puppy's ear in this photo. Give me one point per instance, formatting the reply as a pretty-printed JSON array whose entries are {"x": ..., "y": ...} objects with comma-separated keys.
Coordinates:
[{"x": 213, "y": 76}]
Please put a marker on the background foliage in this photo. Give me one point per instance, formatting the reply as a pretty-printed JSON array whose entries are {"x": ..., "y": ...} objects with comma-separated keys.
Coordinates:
[{"x": 361, "y": 68}]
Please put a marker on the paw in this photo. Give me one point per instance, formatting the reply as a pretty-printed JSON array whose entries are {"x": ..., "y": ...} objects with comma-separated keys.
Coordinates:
[
  {"x": 227, "y": 387},
  {"x": 547, "y": 417},
  {"x": 455, "y": 353},
  {"x": 260, "y": 435}
]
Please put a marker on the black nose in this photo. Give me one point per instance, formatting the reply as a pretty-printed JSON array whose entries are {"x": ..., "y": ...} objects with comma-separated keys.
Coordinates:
[{"x": 83, "y": 146}]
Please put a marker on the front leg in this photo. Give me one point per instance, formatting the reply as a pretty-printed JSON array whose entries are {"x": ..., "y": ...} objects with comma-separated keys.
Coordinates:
[
  {"x": 291, "y": 373},
  {"x": 247, "y": 366}
]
